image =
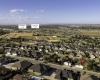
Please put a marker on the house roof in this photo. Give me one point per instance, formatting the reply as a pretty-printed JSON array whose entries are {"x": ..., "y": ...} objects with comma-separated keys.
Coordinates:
[
  {"x": 3, "y": 69},
  {"x": 70, "y": 74},
  {"x": 38, "y": 54},
  {"x": 21, "y": 77},
  {"x": 60, "y": 74},
  {"x": 39, "y": 68},
  {"x": 23, "y": 52},
  {"x": 22, "y": 64},
  {"x": 88, "y": 77},
  {"x": 13, "y": 51},
  {"x": 64, "y": 73},
  {"x": 5, "y": 59}
]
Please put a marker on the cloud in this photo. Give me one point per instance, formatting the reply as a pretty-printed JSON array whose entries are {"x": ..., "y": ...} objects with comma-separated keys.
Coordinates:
[
  {"x": 16, "y": 14},
  {"x": 36, "y": 17},
  {"x": 16, "y": 11},
  {"x": 41, "y": 11}
]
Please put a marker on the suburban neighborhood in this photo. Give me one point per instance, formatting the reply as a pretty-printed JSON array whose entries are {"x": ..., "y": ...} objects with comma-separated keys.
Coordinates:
[{"x": 70, "y": 57}]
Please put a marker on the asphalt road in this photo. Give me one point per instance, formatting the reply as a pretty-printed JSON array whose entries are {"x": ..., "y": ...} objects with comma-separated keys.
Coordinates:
[{"x": 58, "y": 66}]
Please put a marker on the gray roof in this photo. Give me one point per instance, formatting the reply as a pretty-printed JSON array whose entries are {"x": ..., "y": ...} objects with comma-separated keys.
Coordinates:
[
  {"x": 5, "y": 59},
  {"x": 60, "y": 74},
  {"x": 88, "y": 77},
  {"x": 22, "y": 64},
  {"x": 39, "y": 68}
]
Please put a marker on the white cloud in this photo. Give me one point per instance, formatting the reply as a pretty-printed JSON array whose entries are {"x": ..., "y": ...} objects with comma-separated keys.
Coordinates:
[
  {"x": 40, "y": 11},
  {"x": 36, "y": 17},
  {"x": 16, "y": 16},
  {"x": 16, "y": 11}
]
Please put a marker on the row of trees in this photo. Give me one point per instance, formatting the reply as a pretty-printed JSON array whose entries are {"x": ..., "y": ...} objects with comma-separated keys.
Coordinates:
[{"x": 92, "y": 65}]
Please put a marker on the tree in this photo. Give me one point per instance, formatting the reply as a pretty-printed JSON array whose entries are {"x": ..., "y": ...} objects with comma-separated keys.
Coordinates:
[
  {"x": 89, "y": 66},
  {"x": 95, "y": 68}
]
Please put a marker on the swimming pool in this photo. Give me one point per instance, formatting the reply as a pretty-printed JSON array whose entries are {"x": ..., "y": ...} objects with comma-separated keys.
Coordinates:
[{"x": 35, "y": 78}]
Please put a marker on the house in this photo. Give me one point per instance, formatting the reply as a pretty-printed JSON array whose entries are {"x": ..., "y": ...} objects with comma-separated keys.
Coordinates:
[
  {"x": 23, "y": 52},
  {"x": 5, "y": 73},
  {"x": 67, "y": 63},
  {"x": 39, "y": 69},
  {"x": 20, "y": 77},
  {"x": 66, "y": 75},
  {"x": 1, "y": 50},
  {"x": 21, "y": 65},
  {"x": 5, "y": 60},
  {"x": 10, "y": 52},
  {"x": 79, "y": 65},
  {"x": 30, "y": 52},
  {"x": 88, "y": 77},
  {"x": 22, "y": 47},
  {"x": 38, "y": 54},
  {"x": 98, "y": 66},
  {"x": 92, "y": 56},
  {"x": 7, "y": 51}
]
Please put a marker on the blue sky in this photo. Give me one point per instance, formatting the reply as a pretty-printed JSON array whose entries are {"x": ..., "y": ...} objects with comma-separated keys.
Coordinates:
[{"x": 49, "y": 11}]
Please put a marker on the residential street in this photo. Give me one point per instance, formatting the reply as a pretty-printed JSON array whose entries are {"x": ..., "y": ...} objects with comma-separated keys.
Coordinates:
[{"x": 57, "y": 66}]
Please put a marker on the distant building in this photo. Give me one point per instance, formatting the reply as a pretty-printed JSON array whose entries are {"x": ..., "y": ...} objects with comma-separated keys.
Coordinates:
[
  {"x": 34, "y": 26},
  {"x": 22, "y": 26}
]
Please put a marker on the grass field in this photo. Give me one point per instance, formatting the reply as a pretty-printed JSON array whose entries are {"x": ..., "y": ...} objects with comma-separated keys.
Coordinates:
[
  {"x": 94, "y": 33},
  {"x": 15, "y": 35},
  {"x": 29, "y": 36}
]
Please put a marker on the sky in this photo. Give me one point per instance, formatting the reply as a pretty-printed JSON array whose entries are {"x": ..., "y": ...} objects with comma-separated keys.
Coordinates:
[{"x": 50, "y": 11}]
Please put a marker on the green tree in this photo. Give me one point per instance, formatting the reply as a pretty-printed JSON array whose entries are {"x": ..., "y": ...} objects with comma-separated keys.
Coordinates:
[{"x": 89, "y": 66}]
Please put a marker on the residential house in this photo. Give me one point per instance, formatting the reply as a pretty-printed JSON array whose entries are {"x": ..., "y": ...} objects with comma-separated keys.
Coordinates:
[
  {"x": 66, "y": 75},
  {"x": 39, "y": 69},
  {"x": 88, "y": 77},
  {"x": 20, "y": 77},
  {"x": 67, "y": 63},
  {"x": 24, "y": 52},
  {"x": 5, "y": 73},
  {"x": 6, "y": 60},
  {"x": 1, "y": 50},
  {"x": 92, "y": 56},
  {"x": 37, "y": 54},
  {"x": 10, "y": 52},
  {"x": 21, "y": 65},
  {"x": 79, "y": 65},
  {"x": 98, "y": 66}
]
